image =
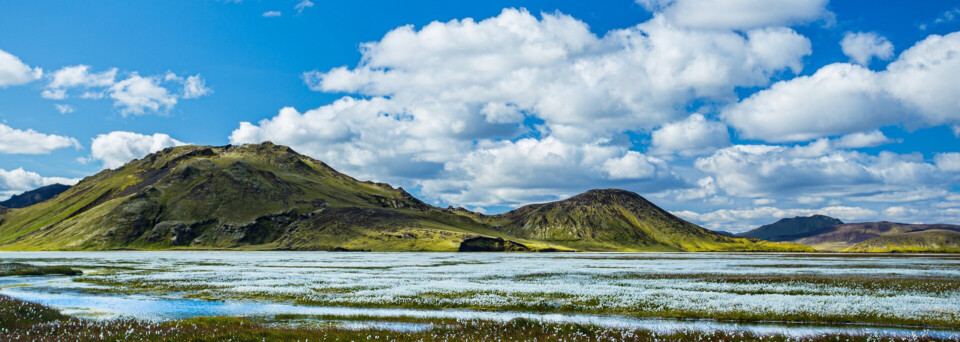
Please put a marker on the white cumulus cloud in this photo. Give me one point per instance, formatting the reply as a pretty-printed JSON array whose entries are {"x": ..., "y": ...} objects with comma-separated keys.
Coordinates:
[
  {"x": 738, "y": 14},
  {"x": 195, "y": 86},
  {"x": 632, "y": 165},
  {"x": 916, "y": 90},
  {"x": 80, "y": 76},
  {"x": 900, "y": 212},
  {"x": 816, "y": 170},
  {"x": 64, "y": 109},
  {"x": 528, "y": 170},
  {"x": 16, "y": 141},
  {"x": 949, "y": 162},
  {"x": 837, "y": 99},
  {"x": 18, "y": 180},
  {"x": 555, "y": 69},
  {"x": 136, "y": 95},
  {"x": 432, "y": 106},
  {"x": 863, "y": 139},
  {"x": 693, "y": 136},
  {"x": 115, "y": 149},
  {"x": 14, "y": 72},
  {"x": 132, "y": 94},
  {"x": 862, "y": 47}
]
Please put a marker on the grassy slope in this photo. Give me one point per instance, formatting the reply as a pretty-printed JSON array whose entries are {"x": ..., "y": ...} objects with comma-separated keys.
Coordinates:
[
  {"x": 926, "y": 241},
  {"x": 618, "y": 219},
  {"x": 250, "y": 192},
  {"x": 843, "y": 237},
  {"x": 269, "y": 197}
]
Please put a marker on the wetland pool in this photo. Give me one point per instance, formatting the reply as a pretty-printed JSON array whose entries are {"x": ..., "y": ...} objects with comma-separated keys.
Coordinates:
[{"x": 789, "y": 294}]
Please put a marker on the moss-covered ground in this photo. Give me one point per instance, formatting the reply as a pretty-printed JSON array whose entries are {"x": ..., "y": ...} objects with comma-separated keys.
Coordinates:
[
  {"x": 22, "y": 321},
  {"x": 21, "y": 269}
]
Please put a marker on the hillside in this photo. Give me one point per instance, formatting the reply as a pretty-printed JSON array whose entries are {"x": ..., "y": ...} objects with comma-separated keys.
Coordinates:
[
  {"x": 783, "y": 229},
  {"x": 923, "y": 241},
  {"x": 255, "y": 196},
  {"x": 35, "y": 196},
  {"x": 612, "y": 219},
  {"x": 267, "y": 196},
  {"x": 844, "y": 236}
]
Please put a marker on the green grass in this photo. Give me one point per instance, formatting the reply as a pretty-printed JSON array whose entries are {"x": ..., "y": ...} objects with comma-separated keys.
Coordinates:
[
  {"x": 16, "y": 314},
  {"x": 21, "y": 321},
  {"x": 928, "y": 241},
  {"x": 19, "y": 269}
]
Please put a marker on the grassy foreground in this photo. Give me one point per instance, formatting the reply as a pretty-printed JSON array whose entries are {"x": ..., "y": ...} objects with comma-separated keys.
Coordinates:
[{"x": 23, "y": 321}]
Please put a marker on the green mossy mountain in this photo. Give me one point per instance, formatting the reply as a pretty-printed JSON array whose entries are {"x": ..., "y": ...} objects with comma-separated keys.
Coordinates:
[
  {"x": 785, "y": 228},
  {"x": 267, "y": 196},
  {"x": 613, "y": 219},
  {"x": 35, "y": 196}
]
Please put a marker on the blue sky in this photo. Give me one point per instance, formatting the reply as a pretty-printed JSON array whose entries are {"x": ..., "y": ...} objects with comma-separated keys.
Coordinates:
[{"x": 649, "y": 75}]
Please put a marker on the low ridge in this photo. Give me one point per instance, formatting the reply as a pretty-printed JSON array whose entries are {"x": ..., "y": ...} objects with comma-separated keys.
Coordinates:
[
  {"x": 922, "y": 241},
  {"x": 844, "y": 237}
]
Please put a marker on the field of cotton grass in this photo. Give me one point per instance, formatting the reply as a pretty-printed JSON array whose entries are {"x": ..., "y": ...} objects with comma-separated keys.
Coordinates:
[
  {"x": 23, "y": 321},
  {"x": 921, "y": 292}
]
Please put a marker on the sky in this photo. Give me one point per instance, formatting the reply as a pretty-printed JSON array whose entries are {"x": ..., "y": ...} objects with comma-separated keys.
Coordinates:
[{"x": 728, "y": 113}]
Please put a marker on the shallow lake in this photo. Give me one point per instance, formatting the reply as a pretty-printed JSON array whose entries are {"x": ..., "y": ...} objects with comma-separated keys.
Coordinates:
[{"x": 879, "y": 293}]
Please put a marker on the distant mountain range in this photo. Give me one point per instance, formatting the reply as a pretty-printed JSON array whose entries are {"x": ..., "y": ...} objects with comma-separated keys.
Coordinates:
[
  {"x": 829, "y": 234},
  {"x": 32, "y": 197},
  {"x": 267, "y": 196}
]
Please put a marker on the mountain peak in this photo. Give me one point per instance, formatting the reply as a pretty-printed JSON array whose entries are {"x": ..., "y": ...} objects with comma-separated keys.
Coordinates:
[{"x": 599, "y": 193}]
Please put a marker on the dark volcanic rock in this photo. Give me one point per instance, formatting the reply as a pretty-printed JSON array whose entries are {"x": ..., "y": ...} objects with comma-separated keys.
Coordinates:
[{"x": 485, "y": 244}]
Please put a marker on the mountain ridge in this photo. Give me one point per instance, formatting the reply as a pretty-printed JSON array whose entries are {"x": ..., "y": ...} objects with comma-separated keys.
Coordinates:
[
  {"x": 267, "y": 196},
  {"x": 34, "y": 196}
]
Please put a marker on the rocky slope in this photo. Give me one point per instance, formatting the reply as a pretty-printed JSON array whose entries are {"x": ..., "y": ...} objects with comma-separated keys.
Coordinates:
[
  {"x": 267, "y": 196},
  {"x": 35, "y": 196},
  {"x": 785, "y": 228}
]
